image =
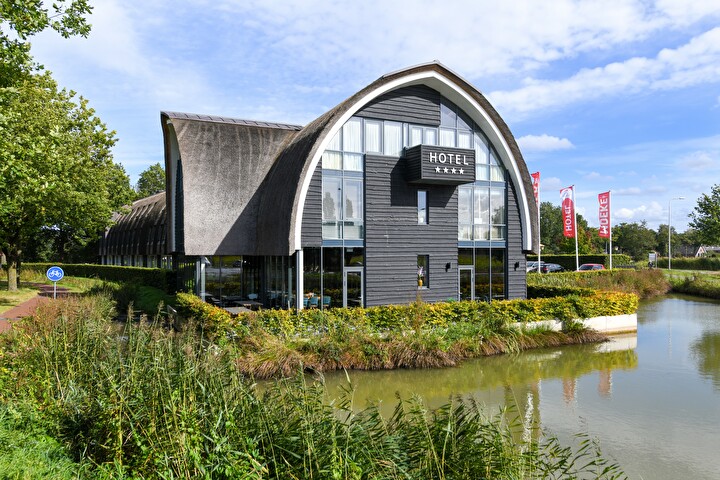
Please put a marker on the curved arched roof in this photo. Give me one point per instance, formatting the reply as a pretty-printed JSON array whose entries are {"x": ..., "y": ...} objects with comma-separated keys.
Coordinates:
[
  {"x": 286, "y": 186},
  {"x": 138, "y": 231}
]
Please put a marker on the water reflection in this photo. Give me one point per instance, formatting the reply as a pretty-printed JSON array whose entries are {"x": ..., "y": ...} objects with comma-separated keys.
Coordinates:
[
  {"x": 652, "y": 399},
  {"x": 706, "y": 352},
  {"x": 503, "y": 380}
]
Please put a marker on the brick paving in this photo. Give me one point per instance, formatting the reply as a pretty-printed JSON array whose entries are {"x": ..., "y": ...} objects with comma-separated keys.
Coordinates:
[{"x": 28, "y": 307}]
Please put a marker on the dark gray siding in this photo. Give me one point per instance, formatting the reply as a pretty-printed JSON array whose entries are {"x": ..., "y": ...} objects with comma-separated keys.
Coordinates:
[
  {"x": 516, "y": 277},
  {"x": 393, "y": 238},
  {"x": 312, "y": 212},
  {"x": 418, "y": 104}
]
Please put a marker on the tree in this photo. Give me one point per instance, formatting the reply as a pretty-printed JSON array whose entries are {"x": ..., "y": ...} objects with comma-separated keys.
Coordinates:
[
  {"x": 634, "y": 239},
  {"x": 551, "y": 232},
  {"x": 56, "y": 169},
  {"x": 706, "y": 217},
  {"x": 151, "y": 181},
  {"x": 25, "y": 18}
]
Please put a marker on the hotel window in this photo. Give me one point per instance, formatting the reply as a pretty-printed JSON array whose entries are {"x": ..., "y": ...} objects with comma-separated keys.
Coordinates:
[
  {"x": 422, "y": 207},
  {"x": 392, "y": 138},
  {"x": 423, "y": 271},
  {"x": 481, "y": 213},
  {"x": 343, "y": 209},
  {"x": 373, "y": 132}
]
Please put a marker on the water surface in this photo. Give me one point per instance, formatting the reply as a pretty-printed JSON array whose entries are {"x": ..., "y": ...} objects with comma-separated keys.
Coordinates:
[{"x": 652, "y": 399}]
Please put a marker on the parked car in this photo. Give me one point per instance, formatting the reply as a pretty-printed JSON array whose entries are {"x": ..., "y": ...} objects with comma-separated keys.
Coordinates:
[
  {"x": 533, "y": 266},
  {"x": 586, "y": 267},
  {"x": 551, "y": 267}
]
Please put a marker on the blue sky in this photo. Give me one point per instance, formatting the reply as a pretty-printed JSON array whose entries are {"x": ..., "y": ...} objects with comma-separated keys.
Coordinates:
[{"x": 616, "y": 95}]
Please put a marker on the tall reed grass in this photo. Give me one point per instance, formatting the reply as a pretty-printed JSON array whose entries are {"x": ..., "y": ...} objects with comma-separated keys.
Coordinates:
[{"x": 136, "y": 401}]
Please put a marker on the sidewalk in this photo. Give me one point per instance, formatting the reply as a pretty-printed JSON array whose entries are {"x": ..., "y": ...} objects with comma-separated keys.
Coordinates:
[{"x": 28, "y": 307}]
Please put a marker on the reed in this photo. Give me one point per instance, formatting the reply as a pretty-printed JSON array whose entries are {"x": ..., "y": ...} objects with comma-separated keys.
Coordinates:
[{"x": 136, "y": 401}]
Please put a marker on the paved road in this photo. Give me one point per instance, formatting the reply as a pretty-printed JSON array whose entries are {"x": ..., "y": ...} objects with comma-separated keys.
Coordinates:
[{"x": 28, "y": 307}]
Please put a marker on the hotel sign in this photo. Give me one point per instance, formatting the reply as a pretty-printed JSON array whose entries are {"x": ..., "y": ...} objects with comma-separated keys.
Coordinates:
[{"x": 427, "y": 164}]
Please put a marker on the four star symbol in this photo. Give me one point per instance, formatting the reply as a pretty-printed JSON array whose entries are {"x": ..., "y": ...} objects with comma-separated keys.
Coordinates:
[{"x": 453, "y": 171}]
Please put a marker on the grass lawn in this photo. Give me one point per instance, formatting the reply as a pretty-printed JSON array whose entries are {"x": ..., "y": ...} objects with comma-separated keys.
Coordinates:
[{"x": 10, "y": 299}]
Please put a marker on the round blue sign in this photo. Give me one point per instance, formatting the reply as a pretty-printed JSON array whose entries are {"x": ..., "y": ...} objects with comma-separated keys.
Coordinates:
[{"x": 55, "y": 274}]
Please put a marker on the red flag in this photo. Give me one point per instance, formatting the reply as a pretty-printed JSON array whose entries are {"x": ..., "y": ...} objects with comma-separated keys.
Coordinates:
[
  {"x": 604, "y": 214},
  {"x": 536, "y": 185},
  {"x": 567, "y": 205}
]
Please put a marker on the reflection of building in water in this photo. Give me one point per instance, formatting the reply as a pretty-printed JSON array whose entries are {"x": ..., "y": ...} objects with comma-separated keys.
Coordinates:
[
  {"x": 605, "y": 383},
  {"x": 569, "y": 386}
]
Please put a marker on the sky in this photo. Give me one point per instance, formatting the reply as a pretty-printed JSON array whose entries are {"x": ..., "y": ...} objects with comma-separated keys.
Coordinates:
[{"x": 615, "y": 95}]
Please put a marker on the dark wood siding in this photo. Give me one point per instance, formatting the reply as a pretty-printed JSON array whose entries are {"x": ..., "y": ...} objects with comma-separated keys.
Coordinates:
[
  {"x": 312, "y": 212},
  {"x": 393, "y": 238},
  {"x": 516, "y": 277},
  {"x": 417, "y": 104}
]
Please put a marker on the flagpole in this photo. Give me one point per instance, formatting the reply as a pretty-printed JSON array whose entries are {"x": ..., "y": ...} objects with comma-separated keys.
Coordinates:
[
  {"x": 577, "y": 257},
  {"x": 610, "y": 224},
  {"x": 538, "y": 229}
]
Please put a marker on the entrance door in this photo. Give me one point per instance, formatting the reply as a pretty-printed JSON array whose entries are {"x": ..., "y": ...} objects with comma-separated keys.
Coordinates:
[
  {"x": 353, "y": 287},
  {"x": 466, "y": 283}
]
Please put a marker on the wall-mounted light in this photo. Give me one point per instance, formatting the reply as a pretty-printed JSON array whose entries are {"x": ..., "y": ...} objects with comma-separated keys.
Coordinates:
[
  {"x": 517, "y": 265},
  {"x": 447, "y": 266}
]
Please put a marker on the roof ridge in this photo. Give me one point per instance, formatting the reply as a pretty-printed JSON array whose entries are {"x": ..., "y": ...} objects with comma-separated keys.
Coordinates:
[{"x": 230, "y": 120}]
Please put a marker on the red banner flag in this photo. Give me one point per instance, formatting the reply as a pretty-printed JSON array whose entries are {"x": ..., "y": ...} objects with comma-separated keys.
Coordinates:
[
  {"x": 604, "y": 214},
  {"x": 567, "y": 205},
  {"x": 536, "y": 185}
]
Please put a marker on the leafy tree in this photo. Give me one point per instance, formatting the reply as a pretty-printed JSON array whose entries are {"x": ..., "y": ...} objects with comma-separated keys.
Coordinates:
[
  {"x": 706, "y": 217},
  {"x": 151, "y": 181},
  {"x": 634, "y": 239},
  {"x": 56, "y": 169},
  {"x": 551, "y": 232},
  {"x": 21, "y": 19}
]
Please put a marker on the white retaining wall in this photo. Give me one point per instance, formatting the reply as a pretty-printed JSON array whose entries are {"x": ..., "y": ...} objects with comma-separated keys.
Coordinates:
[{"x": 606, "y": 324}]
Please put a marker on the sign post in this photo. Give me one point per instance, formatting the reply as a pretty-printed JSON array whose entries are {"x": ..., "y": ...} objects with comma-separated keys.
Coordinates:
[{"x": 55, "y": 274}]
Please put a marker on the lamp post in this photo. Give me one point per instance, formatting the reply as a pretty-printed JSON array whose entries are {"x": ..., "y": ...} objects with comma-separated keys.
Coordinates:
[{"x": 670, "y": 229}]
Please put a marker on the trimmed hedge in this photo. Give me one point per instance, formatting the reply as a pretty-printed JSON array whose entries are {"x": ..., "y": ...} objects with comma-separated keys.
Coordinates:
[
  {"x": 691, "y": 263},
  {"x": 568, "y": 260},
  {"x": 154, "y": 277},
  {"x": 496, "y": 316}
]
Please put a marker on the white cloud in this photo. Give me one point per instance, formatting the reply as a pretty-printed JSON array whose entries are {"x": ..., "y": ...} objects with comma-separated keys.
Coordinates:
[
  {"x": 696, "y": 62},
  {"x": 543, "y": 143},
  {"x": 700, "y": 161},
  {"x": 629, "y": 191},
  {"x": 652, "y": 212},
  {"x": 551, "y": 183},
  {"x": 595, "y": 177}
]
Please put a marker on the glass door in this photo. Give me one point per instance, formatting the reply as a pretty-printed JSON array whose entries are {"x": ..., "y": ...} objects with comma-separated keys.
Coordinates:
[
  {"x": 467, "y": 288},
  {"x": 353, "y": 287}
]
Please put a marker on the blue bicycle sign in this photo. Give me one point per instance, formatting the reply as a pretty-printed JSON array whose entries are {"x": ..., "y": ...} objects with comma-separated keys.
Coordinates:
[{"x": 55, "y": 274}]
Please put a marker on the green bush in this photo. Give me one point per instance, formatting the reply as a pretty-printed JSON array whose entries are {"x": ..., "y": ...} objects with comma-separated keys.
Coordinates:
[
  {"x": 691, "y": 263},
  {"x": 568, "y": 262},
  {"x": 494, "y": 316},
  {"x": 644, "y": 283},
  {"x": 154, "y": 277}
]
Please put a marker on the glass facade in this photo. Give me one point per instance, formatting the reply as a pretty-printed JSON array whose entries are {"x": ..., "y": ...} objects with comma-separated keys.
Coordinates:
[
  {"x": 325, "y": 274},
  {"x": 247, "y": 281}
]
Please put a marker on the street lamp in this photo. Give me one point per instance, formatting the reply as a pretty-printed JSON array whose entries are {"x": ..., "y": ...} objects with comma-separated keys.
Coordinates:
[{"x": 670, "y": 229}]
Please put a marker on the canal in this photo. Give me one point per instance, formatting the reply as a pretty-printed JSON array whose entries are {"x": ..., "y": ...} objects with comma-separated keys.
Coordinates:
[{"x": 652, "y": 399}]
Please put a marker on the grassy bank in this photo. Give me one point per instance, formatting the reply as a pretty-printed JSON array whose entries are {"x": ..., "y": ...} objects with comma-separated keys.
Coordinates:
[
  {"x": 701, "y": 284},
  {"x": 134, "y": 401}
]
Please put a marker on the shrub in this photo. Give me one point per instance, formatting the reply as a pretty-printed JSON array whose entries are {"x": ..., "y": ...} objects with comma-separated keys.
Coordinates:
[
  {"x": 418, "y": 316},
  {"x": 154, "y": 277}
]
